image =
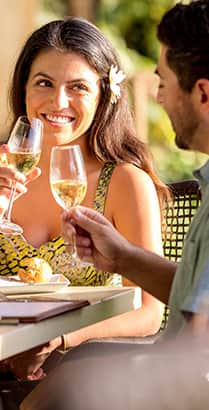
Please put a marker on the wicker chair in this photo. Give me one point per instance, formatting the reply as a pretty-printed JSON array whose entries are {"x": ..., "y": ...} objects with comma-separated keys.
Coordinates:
[
  {"x": 177, "y": 218},
  {"x": 186, "y": 199}
]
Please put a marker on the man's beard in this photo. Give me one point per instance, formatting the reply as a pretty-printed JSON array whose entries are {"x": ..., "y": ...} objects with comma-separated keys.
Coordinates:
[{"x": 185, "y": 138}]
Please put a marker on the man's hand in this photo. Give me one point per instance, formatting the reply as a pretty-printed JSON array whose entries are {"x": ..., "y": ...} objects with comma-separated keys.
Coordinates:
[
  {"x": 28, "y": 365},
  {"x": 97, "y": 240}
]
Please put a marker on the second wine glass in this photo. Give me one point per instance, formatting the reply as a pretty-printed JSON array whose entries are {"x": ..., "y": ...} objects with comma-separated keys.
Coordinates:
[
  {"x": 24, "y": 144},
  {"x": 68, "y": 182}
]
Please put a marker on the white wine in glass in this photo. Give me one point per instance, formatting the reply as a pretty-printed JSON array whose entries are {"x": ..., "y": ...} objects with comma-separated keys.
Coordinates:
[
  {"x": 68, "y": 182},
  {"x": 24, "y": 144},
  {"x": 23, "y": 161}
]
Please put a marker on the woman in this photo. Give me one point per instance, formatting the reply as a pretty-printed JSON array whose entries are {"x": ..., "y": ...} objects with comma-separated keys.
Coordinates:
[{"x": 69, "y": 76}]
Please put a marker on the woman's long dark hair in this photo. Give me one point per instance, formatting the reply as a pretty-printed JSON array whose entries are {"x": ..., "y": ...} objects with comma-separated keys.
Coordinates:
[{"x": 112, "y": 135}]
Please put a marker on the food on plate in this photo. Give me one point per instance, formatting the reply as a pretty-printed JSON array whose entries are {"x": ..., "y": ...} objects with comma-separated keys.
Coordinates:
[{"x": 35, "y": 270}]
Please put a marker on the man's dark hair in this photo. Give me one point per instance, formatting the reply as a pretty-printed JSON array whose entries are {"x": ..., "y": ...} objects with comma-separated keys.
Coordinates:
[{"x": 184, "y": 30}]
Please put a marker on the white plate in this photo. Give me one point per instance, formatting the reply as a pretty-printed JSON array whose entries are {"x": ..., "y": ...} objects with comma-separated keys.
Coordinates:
[{"x": 56, "y": 283}]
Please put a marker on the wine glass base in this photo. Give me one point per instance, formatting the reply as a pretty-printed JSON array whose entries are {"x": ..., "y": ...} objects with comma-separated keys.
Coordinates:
[
  {"x": 78, "y": 264},
  {"x": 75, "y": 261},
  {"x": 75, "y": 264},
  {"x": 8, "y": 227}
]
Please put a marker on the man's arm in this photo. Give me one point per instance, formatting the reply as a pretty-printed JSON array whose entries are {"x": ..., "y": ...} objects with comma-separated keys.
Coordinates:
[
  {"x": 150, "y": 271},
  {"x": 99, "y": 242}
]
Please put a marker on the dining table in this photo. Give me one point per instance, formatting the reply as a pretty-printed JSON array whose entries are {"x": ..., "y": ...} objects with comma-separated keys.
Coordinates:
[{"x": 104, "y": 302}]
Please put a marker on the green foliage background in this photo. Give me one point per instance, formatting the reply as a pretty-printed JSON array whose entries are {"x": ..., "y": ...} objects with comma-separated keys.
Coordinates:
[{"x": 131, "y": 26}]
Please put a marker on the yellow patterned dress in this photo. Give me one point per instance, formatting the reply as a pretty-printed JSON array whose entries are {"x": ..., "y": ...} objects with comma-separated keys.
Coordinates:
[{"x": 14, "y": 248}]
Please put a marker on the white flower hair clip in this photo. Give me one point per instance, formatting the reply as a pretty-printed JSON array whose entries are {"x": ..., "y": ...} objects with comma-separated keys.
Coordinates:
[{"x": 115, "y": 78}]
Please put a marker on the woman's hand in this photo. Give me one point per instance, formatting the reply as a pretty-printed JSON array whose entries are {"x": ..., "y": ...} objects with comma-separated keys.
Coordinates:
[
  {"x": 8, "y": 175},
  {"x": 28, "y": 365}
]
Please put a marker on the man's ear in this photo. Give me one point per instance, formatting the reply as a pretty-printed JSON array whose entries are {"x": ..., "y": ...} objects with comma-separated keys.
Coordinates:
[{"x": 202, "y": 91}]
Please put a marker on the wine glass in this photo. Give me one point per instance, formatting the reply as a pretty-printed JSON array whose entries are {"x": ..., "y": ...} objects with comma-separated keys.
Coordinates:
[
  {"x": 68, "y": 183},
  {"x": 24, "y": 153}
]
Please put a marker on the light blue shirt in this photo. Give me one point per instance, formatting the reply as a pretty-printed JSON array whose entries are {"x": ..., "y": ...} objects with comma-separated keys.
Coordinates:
[{"x": 191, "y": 283}]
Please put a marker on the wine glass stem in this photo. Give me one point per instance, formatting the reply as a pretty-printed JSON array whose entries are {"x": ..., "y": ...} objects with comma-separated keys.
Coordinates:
[
  {"x": 11, "y": 200},
  {"x": 74, "y": 254}
]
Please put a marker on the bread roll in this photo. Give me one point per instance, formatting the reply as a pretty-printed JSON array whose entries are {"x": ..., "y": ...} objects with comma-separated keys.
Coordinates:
[{"x": 35, "y": 270}]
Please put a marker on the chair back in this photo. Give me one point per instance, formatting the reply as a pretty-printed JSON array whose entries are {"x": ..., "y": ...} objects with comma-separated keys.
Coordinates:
[
  {"x": 178, "y": 216},
  {"x": 186, "y": 197}
]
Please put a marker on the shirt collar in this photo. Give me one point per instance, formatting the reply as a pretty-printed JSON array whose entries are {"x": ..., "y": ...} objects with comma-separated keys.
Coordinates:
[{"x": 202, "y": 174}]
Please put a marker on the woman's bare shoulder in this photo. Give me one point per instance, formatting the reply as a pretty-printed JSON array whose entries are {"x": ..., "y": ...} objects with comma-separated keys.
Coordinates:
[
  {"x": 131, "y": 191},
  {"x": 132, "y": 175}
]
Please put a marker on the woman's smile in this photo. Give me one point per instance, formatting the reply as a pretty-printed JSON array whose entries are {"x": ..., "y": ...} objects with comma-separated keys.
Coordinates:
[{"x": 58, "y": 120}]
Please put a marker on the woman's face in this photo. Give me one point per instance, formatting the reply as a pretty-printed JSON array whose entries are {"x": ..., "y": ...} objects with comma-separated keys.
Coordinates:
[{"x": 63, "y": 90}]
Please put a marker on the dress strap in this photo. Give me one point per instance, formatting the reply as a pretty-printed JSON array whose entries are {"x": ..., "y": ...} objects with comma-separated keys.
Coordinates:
[{"x": 103, "y": 185}]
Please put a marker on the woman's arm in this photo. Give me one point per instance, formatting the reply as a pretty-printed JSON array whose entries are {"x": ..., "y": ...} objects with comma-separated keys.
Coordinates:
[
  {"x": 132, "y": 324},
  {"x": 137, "y": 217}
]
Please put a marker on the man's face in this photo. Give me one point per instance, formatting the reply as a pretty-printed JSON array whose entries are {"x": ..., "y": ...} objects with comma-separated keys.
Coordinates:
[{"x": 178, "y": 104}]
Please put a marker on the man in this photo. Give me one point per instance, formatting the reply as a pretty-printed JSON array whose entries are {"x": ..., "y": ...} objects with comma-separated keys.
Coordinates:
[{"x": 114, "y": 372}]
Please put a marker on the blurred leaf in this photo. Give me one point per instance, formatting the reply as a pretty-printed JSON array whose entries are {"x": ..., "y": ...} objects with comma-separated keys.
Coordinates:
[{"x": 135, "y": 21}]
